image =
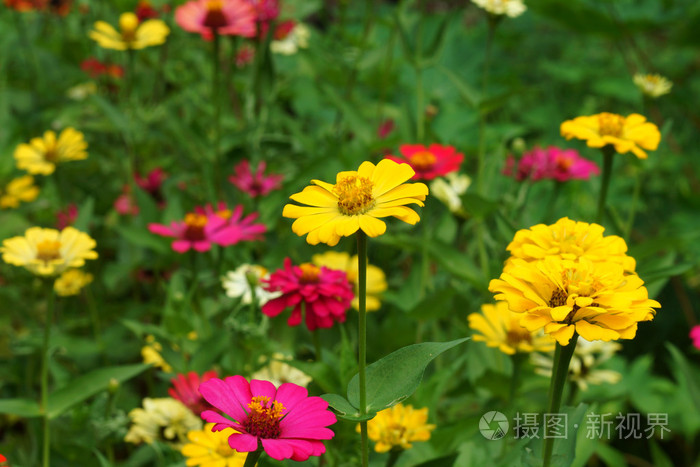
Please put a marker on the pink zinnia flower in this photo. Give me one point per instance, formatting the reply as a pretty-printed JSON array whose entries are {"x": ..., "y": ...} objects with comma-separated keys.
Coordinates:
[
  {"x": 209, "y": 17},
  {"x": 326, "y": 294},
  {"x": 385, "y": 128},
  {"x": 551, "y": 163},
  {"x": 66, "y": 217},
  {"x": 186, "y": 390},
  {"x": 125, "y": 203},
  {"x": 695, "y": 335},
  {"x": 245, "y": 227},
  {"x": 144, "y": 10},
  {"x": 152, "y": 183},
  {"x": 255, "y": 184},
  {"x": 285, "y": 421},
  {"x": 244, "y": 55},
  {"x": 428, "y": 163},
  {"x": 265, "y": 10}
]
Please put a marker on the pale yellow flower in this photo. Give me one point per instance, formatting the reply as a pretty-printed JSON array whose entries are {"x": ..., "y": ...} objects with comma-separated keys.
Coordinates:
[
  {"x": 341, "y": 261},
  {"x": 278, "y": 372},
  {"x": 164, "y": 419},
  {"x": 19, "y": 189},
  {"x": 71, "y": 282},
  {"x": 42, "y": 154},
  {"x": 131, "y": 35},
  {"x": 511, "y": 8},
  {"x": 652, "y": 85},
  {"x": 449, "y": 189},
  {"x": 297, "y": 38}
]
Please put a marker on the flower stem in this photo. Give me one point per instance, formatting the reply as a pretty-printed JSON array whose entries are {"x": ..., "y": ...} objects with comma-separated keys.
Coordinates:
[
  {"x": 608, "y": 152},
  {"x": 217, "y": 107},
  {"x": 393, "y": 457},
  {"x": 482, "y": 117},
  {"x": 253, "y": 457},
  {"x": 560, "y": 370},
  {"x": 518, "y": 358},
  {"x": 45, "y": 374},
  {"x": 316, "y": 337},
  {"x": 362, "y": 338}
]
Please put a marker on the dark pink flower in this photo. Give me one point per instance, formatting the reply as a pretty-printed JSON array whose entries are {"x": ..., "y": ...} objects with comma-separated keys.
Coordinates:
[
  {"x": 245, "y": 227},
  {"x": 186, "y": 390},
  {"x": 265, "y": 10},
  {"x": 325, "y": 294},
  {"x": 695, "y": 335},
  {"x": 552, "y": 163},
  {"x": 285, "y": 421},
  {"x": 224, "y": 17},
  {"x": 428, "y": 163},
  {"x": 385, "y": 128},
  {"x": 244, "y": 56},
  {"x": 255, "y": 184},
  {"x": 152, "y": 184},
  {"x": 125, "y": 203},
  {"x": 66, "y": 217},
  {"x": 144, "y": 10}
]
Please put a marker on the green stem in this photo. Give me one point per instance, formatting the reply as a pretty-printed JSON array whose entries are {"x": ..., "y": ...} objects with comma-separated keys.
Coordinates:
[
  {"x": 556, "y": 192},
  {"x": 130, "y": 67},
  {"x": 94, "y": 317},
  {"x": 608, "y": 153},
  {"x": 216, "y": 81},
  {"x": 420, "y": 104},
  {"x": 45, "y": 373},
  {"x": 635, "y": 202},
  {"x": 362, "y": 338},
  {"x": 482, "y": 116},
  {"x": 253, "y": 457},
  {"x": 315, "y": 336},
  {"x": 518, "y": 358},
  {"x": 481, "y": 245},
  {"x": 560, "y": 370},
  {"x": 393, "y": 457}
]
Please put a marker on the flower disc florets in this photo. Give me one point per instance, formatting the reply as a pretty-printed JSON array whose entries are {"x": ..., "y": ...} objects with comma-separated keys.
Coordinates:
[
  {"x": 264, "y": 417},
  {"x": 354, "y": 195},
  {"x": 611, "y": 124}
]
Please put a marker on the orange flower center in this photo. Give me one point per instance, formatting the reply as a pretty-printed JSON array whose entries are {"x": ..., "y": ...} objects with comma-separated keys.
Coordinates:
[
  {"x": 48, "y": 250},
  {"x": 128, "y": 24},
  {"x": 195, "y": 224},
  {"x": 264, "y": 418},
  {"x": 422, "y": 160},
  {"x": 354, "y": 195},
  {"x": 224, "y": 450},
  {"x": 215, "y": 17},
  {"x": 309, "y": 273},
  {"x": 610, "y": 124},
  {"x": 564, "y": 162},
  {"x": 224, "y": 213},
  {"x": 517, "y": 335}
]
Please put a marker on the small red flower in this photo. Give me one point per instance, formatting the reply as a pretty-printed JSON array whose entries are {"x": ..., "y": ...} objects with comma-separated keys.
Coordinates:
[
  {"x": 125, "y": 204},
  {"x": 94, "y": 68},
  {"x": 428, "y": 163},
  {"x": 152, "y": 184},
  {"x": 66, "y": 217},
  {"x": 695, "y": 335},
  {"x": 144, "y": 10},
  {"x": 186, "y": 390},
  {"x": 255, "y": 184},
  {"x": 325, "y": 294}
]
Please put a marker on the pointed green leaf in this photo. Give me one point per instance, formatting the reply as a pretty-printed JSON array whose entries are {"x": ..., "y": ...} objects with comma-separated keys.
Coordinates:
[
  {"x": 344, "y": 409},
  {"x": 395, "y": 377},
  {"x": 21, "y": 407}
]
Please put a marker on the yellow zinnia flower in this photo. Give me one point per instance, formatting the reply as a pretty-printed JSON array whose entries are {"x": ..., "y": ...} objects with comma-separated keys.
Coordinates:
[
  {"x": 356, "y": 201},
  {"x": 652, "y": 85},
  {"x": 278, "y": 372},
  {"x": 341, "y": 261},
  {"x": 631, "y": 133},
  {"x": 19, "y": 189},
  {"x": 500, "y": 327},
  {"x": 397, "y": 427},
  {"x": 163, "y": 419},
  {"x": 47, "y": 252},
  {"x": 71, "y": 282},
  {"x": 42, "y": 154},
  {"x": 131, "y": 34},
  {"x": 151, "y": 354},
  {"x": 211, "y": 449},
  {"x": 568, "y": 239},
  {"x": 597, "y": 300}
]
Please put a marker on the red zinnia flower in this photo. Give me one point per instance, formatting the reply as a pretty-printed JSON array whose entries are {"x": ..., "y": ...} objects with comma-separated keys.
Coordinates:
[
  {"x": 66, "y": 217},
  {"x": 552, "y": 163},
  {"x": 431, "y": 162},
  {"x": 326, "y": 294},
  {"x": 152, "y": 183},
  {"x": 186, "y": 390},
  {"x": 144, "y": 10},
  {"x": 209, "y": 17},
  {"x": 125, "y": 204},
  {"x": 255, "y": 184},
  {"x": 244, "y": 55},
  {"x": 285, "y": 421},
  {"x": 94, "y": 68}
]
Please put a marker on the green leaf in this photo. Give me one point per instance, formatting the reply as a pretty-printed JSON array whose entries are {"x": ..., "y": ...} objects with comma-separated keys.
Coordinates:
[
  {"x": 143, "y": 238},
  {"x": 85, "y": 212},
  {"x": 443, "y": 461},
  {"x": 477, "y": 205},
  {"x": 21, "y": 407},
  {"x": 395, "y": 377},
  {"x": 458, "y": 264},
  {"x": 684, "y": 375},
  {"x": 88, "y": 385},
  {"x": 345, "y": 410},
  {"x": 469, "y": 94}
]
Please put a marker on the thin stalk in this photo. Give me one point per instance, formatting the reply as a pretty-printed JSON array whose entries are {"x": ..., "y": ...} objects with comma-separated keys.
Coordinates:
[
  {"x": 482, "y": 116},
  {"x": 130, "y": 67},
  {"x": 608, "y": 153},
  {"x": 45, "y": 374},
  {"x": 481, "y": 245},
  {"x": 362, "y": 338},
  {"x": 216, "y": 101},
  {"x": 518, "y": 358},
  {"x": 635, "y": 201},
  {"x": 560, "y": 370},
  {"x": 253, "y": 457},
  {"x": 393, "y": 457},
  {"x": 315, "y": 336},
  {"x": 95, "y": 319}
]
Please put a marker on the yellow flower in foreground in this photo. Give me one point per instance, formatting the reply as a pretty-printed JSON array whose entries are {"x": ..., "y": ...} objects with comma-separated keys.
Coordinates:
[
  {"x": 652, "y": 85},
  {"x": 597, "y": 300},
  {"x": 163, "y": 419},
  {"x": 71, "y": 282},
  {"x": 376, "y": 279},
  {"x": 356, "y": 201},
  {"x": 631, "y": 133},
  {"x": 42, "y": 154},
  {"x": 397, "y": 427},
  {"x": 151, "y": 354},
  {"x": 131, "y": 34},
  {"x": 19, "y": 189},
  {"x": 500, "y": 327},
  {"x": 210, "y": 449},
  {"x": 568, "y": 239},
  {"x": 47, "y": 252}
]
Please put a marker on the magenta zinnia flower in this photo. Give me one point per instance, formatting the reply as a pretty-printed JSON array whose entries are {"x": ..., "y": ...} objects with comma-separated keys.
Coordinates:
[
  {"x": 67, "y": 216},
  {"x": 209, "y": 17},
  {"x": 695, "y": 335},
  {"x": 285, "y": 421},
  {"x": 152, "y": 183},
  {"x": 326, "y": 294},
  {"x": 551, "y": 163},
  {"x": 255, "y": 184},
  {"x": 186, "y": 390},
  {"x": 243, "y": 229},
  {"x": 428, "y": 163}
]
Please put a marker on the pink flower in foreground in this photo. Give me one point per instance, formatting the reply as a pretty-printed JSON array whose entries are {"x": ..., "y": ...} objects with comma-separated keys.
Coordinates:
[
  {"x": 186, "y": 390},
  {"x": 428, "y": 163},
  {"x": 255, "y": 184},
  {"x": 285, "y": 421},
  {"x": 66, "y": 217},
  {"x": 209, "y": 17},
  {"x": 245, "y": 227},
  {"x": 695, "y": 335},
  {"x": 325, "y": 293},
  {"x": 551, "y": 163}
]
